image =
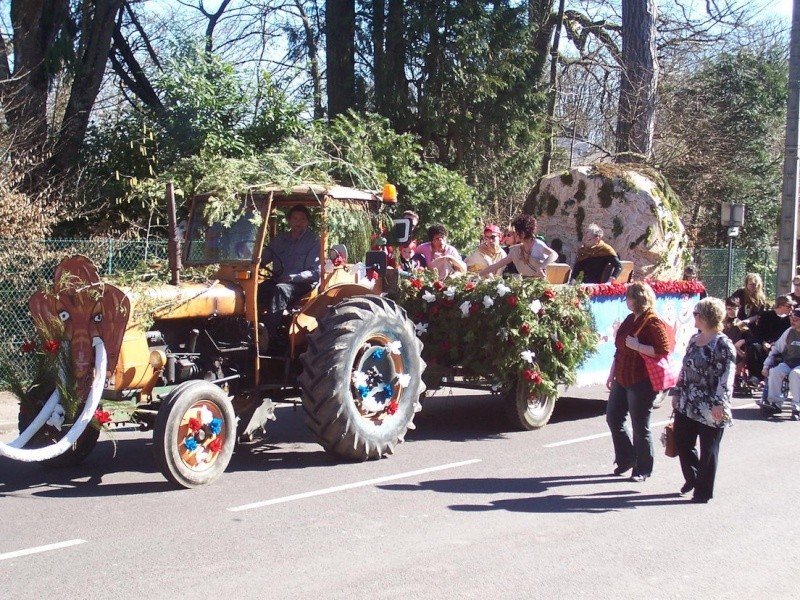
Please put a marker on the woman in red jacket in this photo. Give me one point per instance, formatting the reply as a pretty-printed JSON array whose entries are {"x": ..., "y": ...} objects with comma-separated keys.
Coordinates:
[{"x": 642, "y": 332}]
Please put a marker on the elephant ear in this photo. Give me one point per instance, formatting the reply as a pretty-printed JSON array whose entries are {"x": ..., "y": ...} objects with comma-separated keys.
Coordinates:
[
  {"x": 75, "y": 270},
  {"x": 43, "y": 310},
  {"x": 116, "y": 309}
]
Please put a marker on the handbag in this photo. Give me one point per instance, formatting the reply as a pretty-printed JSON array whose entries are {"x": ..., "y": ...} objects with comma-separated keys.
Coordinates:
[
  {"x": 668, "y": 438},
  {"x": 662, "y": 372}
]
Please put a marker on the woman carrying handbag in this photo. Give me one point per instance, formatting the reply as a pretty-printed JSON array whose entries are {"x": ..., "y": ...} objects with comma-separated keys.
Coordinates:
[
  {"x": 630, "y": 389},
  {"x": 703, "y": 404}
]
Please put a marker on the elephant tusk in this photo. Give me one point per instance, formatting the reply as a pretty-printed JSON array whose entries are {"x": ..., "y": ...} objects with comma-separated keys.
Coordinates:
[{"x": 15, "y": 451}]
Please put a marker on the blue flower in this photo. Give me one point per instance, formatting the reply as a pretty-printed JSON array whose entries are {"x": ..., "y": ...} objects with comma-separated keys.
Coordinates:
[
  {"x": 215, "y": 426},
  {"x": 378, "y": 353},
  {"x": 363, "y": 391},
  {"x": 190, "y": 443},
  {"x": 388, "y": 391}
]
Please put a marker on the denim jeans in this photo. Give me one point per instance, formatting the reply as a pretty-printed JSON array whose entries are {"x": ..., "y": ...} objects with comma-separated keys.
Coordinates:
[{"x": 631, "y": 449}]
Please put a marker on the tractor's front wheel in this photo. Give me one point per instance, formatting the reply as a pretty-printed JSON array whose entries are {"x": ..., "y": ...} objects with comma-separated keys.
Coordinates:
[
  {"x": 362, "y": 377},
  {"x": 194, "y": 434}
]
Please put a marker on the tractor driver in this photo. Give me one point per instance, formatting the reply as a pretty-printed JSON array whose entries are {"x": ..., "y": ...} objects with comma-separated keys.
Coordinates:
[{"x": 295, "y": 269}]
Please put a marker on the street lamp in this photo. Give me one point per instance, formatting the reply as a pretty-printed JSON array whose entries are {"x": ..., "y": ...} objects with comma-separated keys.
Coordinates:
[{"x": 732, "y": 218}]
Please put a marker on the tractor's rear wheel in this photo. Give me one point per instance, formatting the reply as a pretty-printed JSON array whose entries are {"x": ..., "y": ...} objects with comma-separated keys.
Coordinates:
[
  {"x": 526, "y": 409},
  {"x": 194, "y": 434},
  {"x": 362, "y": 377}
]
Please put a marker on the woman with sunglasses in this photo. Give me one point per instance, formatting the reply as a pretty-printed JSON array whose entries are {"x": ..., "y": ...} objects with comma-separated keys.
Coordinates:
[
  {"x": 488, "y": 252},
  {"x": 703, "y": 404},
  {"x": 531, "y": 257}
]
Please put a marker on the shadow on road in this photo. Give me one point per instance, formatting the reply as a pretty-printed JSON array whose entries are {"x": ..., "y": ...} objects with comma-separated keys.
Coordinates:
[{"x": 538, "y": 499}]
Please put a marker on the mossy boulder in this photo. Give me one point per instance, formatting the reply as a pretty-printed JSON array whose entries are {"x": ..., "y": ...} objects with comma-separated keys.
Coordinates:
[{"x": 633, "y": 204}]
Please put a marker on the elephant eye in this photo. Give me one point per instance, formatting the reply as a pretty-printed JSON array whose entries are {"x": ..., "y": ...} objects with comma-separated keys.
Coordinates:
[
  {"x": 63, "y": 315},
  {"x": 98, "y": 317}
]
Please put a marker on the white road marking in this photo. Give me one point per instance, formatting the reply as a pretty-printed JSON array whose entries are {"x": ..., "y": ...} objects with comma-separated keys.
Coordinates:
[
  {"x": 608, "y": 433},
  {"x": 39, "y": 549},
  {"x": 350, "y": 486}
]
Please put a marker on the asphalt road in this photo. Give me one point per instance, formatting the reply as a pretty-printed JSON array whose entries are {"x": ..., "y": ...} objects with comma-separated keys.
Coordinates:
[{"x": 464, "y": 509}]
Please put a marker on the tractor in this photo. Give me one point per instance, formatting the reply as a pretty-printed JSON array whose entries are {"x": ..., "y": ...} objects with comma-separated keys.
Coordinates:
[{"x": 188, "y": 358}]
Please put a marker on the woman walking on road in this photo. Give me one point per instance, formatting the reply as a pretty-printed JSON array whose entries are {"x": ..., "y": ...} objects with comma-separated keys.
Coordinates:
[
  {"x": 642, "y": 332},
  {"x": 703, "y": 407}
]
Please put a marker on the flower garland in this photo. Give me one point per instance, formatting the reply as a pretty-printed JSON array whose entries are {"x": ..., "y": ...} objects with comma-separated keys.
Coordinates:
[
  {"x": 501, "y": 330},
  {"x": 659, "y": 287}
]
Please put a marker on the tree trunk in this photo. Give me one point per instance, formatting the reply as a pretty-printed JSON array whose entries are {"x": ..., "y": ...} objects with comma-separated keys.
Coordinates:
[
  {"x": 313, "y": 60},
  {"x": 340, "y": 29},
  {"x": 92, "y": 55},
  {"x": 638, "y": 82},
  {"x": 396, "y": 101},
  {"x": 36, "y": 25},
  {"x": 378, "y": 55}
]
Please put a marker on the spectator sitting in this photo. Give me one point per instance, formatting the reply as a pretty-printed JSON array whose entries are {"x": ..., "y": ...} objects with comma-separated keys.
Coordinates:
[
  {"x": 594, "y": 258},
  {"x": 440, "y": 255},
  {"x": 784, "y": 361},
  {"x": 765, "y": 332},
  {"x": 735, "y": 330},
  {"x": 690, "y": 273},
  {"x": 796, "y": 290},
  {"x": 752, "y": 301},
  {"x": 488, "y": 252},
  {"x": 531, "y": 257}
]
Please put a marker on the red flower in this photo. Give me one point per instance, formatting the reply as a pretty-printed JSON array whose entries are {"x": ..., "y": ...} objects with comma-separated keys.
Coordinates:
[
  {"x": 448, "y": 303},
  {"x": 549, "y": 294},
  {"x": 433, "y": 310},
  {"x": 28, "y": 346},
  {"x": 195, "y": 425},
  {"x": 438, "y": 285},
  {"x": 215, "y": 446},
  {"x": 469, "y": 286},
  {"x": 559, "y": 346},
  {"x": 372, "y": 274},
  {"x": 474, "y": 307},
  {"x": 524, "y": 329},
  {"x": 51, "y": 346},
  {"x": 537, "y": 378},
  {"x": 391, "y": 408},
  {"x": 102, "y": 416},
  {"x": 416, "y": 283},
  {"x": 528, "y": 374},
  {"x": 512, "y": 300},
  {"x": 419, "y": 317}
]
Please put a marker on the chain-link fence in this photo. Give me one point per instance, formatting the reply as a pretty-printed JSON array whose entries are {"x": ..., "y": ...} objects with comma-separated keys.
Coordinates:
[
  {"x": 713, "y": 266},
  {"x": 26, "y": 266}
]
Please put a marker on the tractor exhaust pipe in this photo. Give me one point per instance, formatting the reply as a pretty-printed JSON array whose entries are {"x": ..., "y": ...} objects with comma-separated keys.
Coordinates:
[{"x": 174, "y": 245}]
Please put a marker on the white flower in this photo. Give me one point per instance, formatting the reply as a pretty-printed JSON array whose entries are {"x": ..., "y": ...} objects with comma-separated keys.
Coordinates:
[
  {"x": 359, "y": 378},
  {"x": 421, "y": 328},
  {"x": 427, "y": 296},
  {"x": 487, "y": 301},
  {"x": 201, "y": 455},
  {"x": 554, "y": 337},
  {"x": 403, "y": 379},
  {"x": 464, "y": 308},
  {"x": 205, "y": 415},
  {"x": 528, "y": 356},
  {"x": 394, "y": 347},
  {"x": 450, "y": 292},
  {"x": 503, "y": 334},
  {"x": 502, "y": 289},
  {"x": 535, "y": 306},
  {"x": 57, "y": 417}
]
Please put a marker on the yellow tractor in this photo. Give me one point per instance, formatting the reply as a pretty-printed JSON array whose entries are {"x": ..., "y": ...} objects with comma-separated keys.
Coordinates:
[{"x": 189, "y": 358}]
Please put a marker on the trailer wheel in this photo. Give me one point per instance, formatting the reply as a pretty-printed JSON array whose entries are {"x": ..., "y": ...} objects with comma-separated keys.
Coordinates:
[
  {"x": 362, "y": 378},
  {"x": 527, "y": 410},
  {"x": 194, "y": 434},
  {"x": 48, "y": 435}
]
